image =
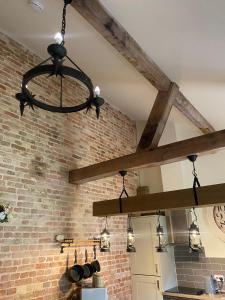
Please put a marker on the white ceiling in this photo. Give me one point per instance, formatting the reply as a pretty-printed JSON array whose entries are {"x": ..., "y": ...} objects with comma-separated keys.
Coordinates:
[{"x": 186, "y": 38}]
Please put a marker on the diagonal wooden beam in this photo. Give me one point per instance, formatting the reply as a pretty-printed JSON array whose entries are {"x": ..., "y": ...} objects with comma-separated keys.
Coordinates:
[
  {"x": 208, "y": 196},
  {"x": 120, "y": 39},
  {"x": 190, "y": 112},
  {"x": 159, "y": 156},
  {"x": 158, "y": 118}
]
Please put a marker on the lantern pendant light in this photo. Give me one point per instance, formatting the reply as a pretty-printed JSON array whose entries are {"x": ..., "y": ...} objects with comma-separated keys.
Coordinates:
[
  {"x": 58, "y": 57},
  {"x": 130, "y": 231},
  {"x": 160, "y": 236},
  {"x": 130, "y": 236},
  {"x": 105, "y": 238},
  {"x": 192, "y": 158},
  {"x": 195, "y": 243}
]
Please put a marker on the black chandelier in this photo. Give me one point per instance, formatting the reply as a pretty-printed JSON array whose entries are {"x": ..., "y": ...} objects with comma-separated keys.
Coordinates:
[{"x": 58, "y": 54}]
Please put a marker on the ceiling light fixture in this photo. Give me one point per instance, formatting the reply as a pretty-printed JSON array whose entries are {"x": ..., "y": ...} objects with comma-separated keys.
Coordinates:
[
  {"x": 58, "y": 55},
  {"x": 162, "y": 243},
  {"x": 130, "y": 231},
  {"x": 196, "y": 183},
  {"x": 130, "y": 236},
  {"x": 195, "y": 243},
  {"x": 105, "y": 238}
]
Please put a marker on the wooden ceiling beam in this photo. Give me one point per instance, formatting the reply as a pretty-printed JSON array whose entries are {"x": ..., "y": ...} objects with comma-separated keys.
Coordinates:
[
  {"x": 191, "y": 113},
  {"x": 120, "y": 39},
  {"x": 158, "y": 118},
  {"x": 159, "y": 156},
  {"x": 207, "y": 195}
]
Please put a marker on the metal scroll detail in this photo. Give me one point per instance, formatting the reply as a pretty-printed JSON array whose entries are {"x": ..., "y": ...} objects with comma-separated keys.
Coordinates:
[{"x": 219, "y": 217}]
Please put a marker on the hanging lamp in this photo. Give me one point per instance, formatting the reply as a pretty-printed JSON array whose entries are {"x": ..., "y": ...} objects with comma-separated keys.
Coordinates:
[
  {"x": 196, "y": 183},
  {"x": 195, "y": 243},
  {"x": 130, "y": 231},
  {"x": 130, "y": 236},
  {"x": 161, "y": 247},
  {"x": 105, "y": 238},
  {"x": 58, "y": 57}
]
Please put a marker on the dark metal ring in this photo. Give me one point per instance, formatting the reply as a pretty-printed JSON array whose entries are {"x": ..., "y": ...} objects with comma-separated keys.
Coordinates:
[{"x": 49, "y": 69}]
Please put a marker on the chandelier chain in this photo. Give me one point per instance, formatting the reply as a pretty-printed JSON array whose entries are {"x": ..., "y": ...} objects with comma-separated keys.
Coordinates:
[{"x": 63, "y": 30}]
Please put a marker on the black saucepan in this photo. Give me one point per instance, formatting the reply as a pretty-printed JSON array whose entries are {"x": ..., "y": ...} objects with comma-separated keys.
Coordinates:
[
  {"x": 95, "y": 264},
  {"x": 76, "y": 272},
  {"x": 87, "y": 268}
]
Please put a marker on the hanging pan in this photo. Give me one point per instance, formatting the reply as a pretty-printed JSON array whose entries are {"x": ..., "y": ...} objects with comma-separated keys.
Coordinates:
[
  {"x": 95, "y": 264},
  {"x": 76, "y": 272},
  {"x": 87, "y": 268}
]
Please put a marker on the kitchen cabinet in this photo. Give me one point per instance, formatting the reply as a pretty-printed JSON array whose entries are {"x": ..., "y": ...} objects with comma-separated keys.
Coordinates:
[
  {"x": 144, "y": 261},
  {"x": 152, "y": 272},
  {"x": 145, "y": 287}
]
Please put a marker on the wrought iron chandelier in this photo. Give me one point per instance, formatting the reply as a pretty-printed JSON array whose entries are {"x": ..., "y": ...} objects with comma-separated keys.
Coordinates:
[{"x": 58, "y": 55}]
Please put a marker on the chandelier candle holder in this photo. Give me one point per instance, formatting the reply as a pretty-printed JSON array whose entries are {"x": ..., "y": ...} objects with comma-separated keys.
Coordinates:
[{"x": 58, "y": 56}]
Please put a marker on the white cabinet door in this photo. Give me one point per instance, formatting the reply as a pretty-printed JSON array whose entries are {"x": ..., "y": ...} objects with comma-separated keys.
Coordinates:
[
  {"x": 145, "y": 288},
  {"x": 144, "y": 260}
]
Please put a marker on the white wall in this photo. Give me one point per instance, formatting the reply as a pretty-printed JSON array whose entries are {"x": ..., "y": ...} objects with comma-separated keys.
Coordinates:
[{"x": 150, "y": 177}]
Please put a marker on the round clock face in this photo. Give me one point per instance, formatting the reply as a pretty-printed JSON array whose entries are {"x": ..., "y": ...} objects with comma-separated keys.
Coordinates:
[{"x": 219, "y": 217}]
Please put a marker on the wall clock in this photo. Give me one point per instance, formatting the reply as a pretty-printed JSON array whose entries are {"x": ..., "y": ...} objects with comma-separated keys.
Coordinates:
[{"x": 219, "y": 217}]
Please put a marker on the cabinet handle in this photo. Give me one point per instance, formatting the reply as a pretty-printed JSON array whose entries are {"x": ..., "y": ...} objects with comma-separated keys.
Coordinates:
[
  {"x": 156, "y": 268},
  {"x": 158, "y": 284}
]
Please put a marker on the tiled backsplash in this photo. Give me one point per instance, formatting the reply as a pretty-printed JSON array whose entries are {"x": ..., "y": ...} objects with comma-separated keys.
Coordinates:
[{"x": 192, "y": 269}]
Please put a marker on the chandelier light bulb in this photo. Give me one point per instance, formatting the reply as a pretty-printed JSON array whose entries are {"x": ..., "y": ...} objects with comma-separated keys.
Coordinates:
[
  {"x": 97, "y": 91},
  {"x": 58, "y": 38}
]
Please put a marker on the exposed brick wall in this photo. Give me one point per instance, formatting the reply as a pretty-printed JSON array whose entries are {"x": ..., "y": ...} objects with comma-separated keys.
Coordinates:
[
  {"x": 36, "y": 152},
  {"x": 192, "y": 269}
]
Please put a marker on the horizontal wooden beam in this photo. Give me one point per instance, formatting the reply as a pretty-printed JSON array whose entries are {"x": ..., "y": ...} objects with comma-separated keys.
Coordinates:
[
  {"x": 207, "y": 195},
  {"x": 157, "y": 119},
  {"x": 162, "y": 155},
  {"x": 191, "y": 113}
]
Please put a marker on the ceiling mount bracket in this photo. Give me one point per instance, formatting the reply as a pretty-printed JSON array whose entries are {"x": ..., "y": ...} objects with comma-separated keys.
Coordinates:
[
  {"x": 123, "y": 173},
  {"x": 192, "y": 157},
  {"x": 67, "y": 2}
]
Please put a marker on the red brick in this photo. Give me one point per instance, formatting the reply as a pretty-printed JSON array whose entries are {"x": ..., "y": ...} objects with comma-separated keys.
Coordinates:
[{"x": 37, "y": 152}]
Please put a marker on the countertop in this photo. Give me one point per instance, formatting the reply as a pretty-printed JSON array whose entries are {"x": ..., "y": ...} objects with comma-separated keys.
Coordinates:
[{"x": 187, "y": 296}]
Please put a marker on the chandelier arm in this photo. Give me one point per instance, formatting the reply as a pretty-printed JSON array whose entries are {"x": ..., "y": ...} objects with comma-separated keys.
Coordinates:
[
  {"x": 77, "y": 66},
  {"x": 61, "y": 92},
  {"x": 43, "y": 62}
]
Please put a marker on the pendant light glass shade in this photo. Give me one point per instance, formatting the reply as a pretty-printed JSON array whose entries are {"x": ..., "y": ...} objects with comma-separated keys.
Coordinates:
[
  {"x": 105, "y": 238},
  {"x": 195, "y": 242},
  {"x": 130, "y": 237},
  {"x": 162, "y": 243}
]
